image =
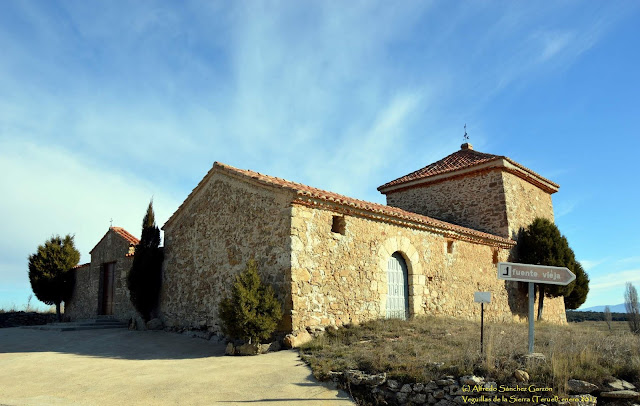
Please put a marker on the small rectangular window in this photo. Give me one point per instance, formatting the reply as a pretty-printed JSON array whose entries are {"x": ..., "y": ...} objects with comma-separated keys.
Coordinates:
[
  {"x": 450, "y": 247},
  {"x": 339, "y": 225},
  {"x": 495, "y": 256}
]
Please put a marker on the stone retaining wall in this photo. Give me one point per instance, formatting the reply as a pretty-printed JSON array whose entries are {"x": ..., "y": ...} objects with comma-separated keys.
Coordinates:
[
  {"x": 452, "y": 391},
  {"x": 16, "y": 319}
]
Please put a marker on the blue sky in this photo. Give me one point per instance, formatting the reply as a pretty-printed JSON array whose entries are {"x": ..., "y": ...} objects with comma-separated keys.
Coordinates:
[{"x": 104, "y": 104}]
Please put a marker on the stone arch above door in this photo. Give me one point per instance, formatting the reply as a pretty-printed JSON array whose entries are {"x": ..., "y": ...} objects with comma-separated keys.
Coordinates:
[{"x": 416, "y": 278}]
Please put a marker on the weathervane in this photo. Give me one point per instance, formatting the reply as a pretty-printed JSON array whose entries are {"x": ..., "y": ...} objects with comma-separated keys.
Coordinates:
[{"x": 465, "y": 136}]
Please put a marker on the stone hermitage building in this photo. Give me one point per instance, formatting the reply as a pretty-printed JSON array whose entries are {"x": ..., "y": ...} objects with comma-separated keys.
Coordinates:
[{"x": 333, "y": 259}]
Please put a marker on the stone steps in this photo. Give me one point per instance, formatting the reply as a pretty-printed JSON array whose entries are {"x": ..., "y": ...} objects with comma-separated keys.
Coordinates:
[{"x": 86, "y": 324}]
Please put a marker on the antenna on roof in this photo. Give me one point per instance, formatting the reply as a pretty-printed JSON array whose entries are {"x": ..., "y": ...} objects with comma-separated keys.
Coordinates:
[
  {"x": 465, "y": 136},
  {"x": 111, "y": 223}
]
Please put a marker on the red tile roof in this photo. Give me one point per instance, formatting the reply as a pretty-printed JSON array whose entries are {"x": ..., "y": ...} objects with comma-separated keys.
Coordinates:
[
  {"x": 304, "y": 191},
  {"x": 125, "y": 234},
  {"x": 82, "y": 266},
  {"x": 462, "y": 159},
  {"x": 121, "y": 232}
]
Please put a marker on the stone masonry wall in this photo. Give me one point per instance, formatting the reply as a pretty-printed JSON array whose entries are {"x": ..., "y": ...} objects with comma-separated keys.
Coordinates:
[
  {"x": 86, "y": 296},
  {"x": 525, "y": 202},
  {"x": 84, "y": 302},
  {"x": 339, "y": 279},
  {"x": 224, "y": 224},
  {"x": 476, "y": 201}
]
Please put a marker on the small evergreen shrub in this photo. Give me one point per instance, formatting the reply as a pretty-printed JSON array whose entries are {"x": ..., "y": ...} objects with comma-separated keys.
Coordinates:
[{"x": 252, "y": 312}]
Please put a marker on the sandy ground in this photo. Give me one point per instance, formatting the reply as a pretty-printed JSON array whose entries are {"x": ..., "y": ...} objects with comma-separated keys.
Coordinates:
[{"x": 121, "y": 367}]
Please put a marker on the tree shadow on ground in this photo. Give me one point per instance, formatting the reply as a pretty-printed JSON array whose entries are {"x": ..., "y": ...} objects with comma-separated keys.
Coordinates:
[{"x": 109, "y": 343}]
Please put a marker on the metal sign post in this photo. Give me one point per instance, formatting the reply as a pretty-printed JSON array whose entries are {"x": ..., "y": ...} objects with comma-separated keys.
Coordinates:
[
  {"x": 482, "y": 298},
  {"x": 531, "y": 300},
  {"x": 552, "y": 275}
]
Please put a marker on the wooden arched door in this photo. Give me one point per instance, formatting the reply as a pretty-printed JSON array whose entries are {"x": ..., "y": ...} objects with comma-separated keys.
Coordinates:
[{"x": 398, "y": 288}]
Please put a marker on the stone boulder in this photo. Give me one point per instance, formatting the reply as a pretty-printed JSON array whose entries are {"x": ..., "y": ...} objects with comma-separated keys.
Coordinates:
[
  {"x": 619, "y": 384},
  {"x": 578, "y": 387},
  {"x": 621, "y": 394},
  {"x": 155, "y": 324},
  {"x": 356, "y": 377},
  {"x": 536, "y": 356},
  {"x": 393, "y": 385},
  {"x": 230, "y": 350},
  {"x": 248, "y": 349},
  {"x": 139, "y": 323},
  {"x": 270, "y": 347},
  {"x": 471, "y": 380},
  {"x": 295, "y": 341},
  {"x": 521, "y": 376}
]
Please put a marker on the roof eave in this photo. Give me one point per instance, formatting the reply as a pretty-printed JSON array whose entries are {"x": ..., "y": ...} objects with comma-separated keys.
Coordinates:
[
  {"x": 411, "y": 220},
  {"x": 500, "y": 162}
]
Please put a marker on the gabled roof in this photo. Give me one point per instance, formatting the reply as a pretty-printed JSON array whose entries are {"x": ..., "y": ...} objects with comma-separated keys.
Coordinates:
[
  {"x": 122, "y": 233},
  {"x": 303, "y": 193},
  {"x": 126, "y": 235},
  {"x": 467, "y": 160}
]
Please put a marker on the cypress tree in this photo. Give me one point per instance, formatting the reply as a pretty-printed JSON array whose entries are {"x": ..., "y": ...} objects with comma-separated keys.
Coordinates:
[
  {"x": 252, "y": 312},
  {"x": 51, "y": 271},
  {"x": 542, "y": 244},
  {"x": 580, "y": 290},
  {"x": 145, "y": 276}
]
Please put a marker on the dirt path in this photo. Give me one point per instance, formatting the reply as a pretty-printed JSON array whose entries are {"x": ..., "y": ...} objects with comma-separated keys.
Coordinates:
[{"x": 121, "y": 367}]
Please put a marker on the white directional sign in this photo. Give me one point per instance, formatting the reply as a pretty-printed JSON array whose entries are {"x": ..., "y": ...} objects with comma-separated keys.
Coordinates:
[
  {"x": 482, "y": 297},
  {"x": 552, "y": 275}
]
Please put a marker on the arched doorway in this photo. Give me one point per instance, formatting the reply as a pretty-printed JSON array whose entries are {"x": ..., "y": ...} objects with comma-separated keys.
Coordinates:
[{"x": 398, "y": 292}]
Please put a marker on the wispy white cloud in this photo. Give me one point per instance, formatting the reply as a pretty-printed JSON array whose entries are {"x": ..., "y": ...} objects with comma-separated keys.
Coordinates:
[
  {"x": 588, "y": 265},
  {"x": 615, "y": 280},
  {"x": 627, "y": 260},
  {"x": 553, "y": 43}
]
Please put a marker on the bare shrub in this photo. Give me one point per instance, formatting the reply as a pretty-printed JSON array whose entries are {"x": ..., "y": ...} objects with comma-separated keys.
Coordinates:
[
  {"x": 633, "y": 308},
  {"x": 607, "y": 316},
  {"x": 28, "y": 308}
]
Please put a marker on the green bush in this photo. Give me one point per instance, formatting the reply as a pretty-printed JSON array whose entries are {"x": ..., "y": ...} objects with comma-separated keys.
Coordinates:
[
  {"x": 51, "y": 271},
  {"x": 252, "y": 312}
]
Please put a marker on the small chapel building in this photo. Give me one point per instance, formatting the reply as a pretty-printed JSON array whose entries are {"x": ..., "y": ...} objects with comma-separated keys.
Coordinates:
[{"x": 335, "y": 260}]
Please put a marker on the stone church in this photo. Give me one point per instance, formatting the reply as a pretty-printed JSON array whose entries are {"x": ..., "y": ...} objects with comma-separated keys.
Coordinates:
[{"x": 333, "y": 259}]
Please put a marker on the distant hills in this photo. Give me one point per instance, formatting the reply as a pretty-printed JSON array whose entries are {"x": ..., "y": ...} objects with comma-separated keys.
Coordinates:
[{"x": 619, "y": 308}]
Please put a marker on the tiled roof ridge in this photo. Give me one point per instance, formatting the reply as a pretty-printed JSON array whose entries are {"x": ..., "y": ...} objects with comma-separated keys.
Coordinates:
[
  {"x": 126, "y": 235},
  {"x": 461, "y": 159},
  {"x": 308, "y": 191},
  {"x": 121, "y": 232},
  {"x": 81, "y": 266},
  {"x": 444, "y": 165}
]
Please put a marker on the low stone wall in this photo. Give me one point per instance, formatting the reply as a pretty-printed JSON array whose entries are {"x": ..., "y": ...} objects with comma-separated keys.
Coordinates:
[
  {"x": 451, "y": 391},
  {"x": 16, "y": 319}
]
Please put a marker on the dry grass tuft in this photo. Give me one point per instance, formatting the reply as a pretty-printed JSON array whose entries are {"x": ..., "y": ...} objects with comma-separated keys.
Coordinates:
[{"x": 426, "y": 348}]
